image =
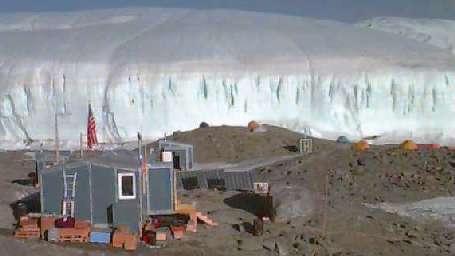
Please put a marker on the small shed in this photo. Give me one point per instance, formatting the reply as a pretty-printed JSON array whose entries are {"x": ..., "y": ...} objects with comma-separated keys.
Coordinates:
[
  {"x": 216, "y": 178},
  {"x": 109, "y": 193},
  {"x": 182, "y": 154}
]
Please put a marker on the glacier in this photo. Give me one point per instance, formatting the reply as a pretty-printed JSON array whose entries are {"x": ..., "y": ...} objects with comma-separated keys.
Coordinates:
[
  {"x": 437, "y": 32},
  {"x": 158, "y": 70}
]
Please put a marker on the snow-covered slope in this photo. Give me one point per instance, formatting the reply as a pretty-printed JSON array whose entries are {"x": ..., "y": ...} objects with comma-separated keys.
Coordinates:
[
  {"x": 160, "y": 70},
  {"x": 436, "y": 32}
]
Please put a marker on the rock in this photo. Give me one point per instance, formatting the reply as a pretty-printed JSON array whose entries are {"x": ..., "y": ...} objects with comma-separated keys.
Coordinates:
[
  {"x": 361, "y": 162},
  {"x": 203, "y": 125},
  {"x": 412, "y": 234},
  {"x": 291, "y": 202}
]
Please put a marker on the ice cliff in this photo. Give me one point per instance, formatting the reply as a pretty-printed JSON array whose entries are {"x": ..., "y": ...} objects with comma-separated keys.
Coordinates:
[{"x": 161, "y": 70}]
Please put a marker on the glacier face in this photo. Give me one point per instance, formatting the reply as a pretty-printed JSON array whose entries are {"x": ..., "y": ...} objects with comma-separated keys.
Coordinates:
[{"x": 161, "y": 70}]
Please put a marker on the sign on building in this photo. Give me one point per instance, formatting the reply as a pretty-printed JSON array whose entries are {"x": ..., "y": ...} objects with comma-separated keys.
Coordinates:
[
  {"x": 166, "y": 156},
  {"x": 261, "y": 187}
]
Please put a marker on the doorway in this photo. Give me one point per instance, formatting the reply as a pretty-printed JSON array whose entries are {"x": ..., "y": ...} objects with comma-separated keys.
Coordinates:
[{"x": 176, "y": 161}]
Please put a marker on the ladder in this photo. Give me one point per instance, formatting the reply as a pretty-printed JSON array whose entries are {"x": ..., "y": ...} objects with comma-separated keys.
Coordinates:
[
  {"x": 69, "y": 194},
  {"x": 305, "y": 145}
]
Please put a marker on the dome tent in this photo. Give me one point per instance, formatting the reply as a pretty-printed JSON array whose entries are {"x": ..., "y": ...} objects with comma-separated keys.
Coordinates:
[
  {"x": 343, "y": 140},
  {"x": 360, "y": 146},
  {"x": 408, "y": 145}
]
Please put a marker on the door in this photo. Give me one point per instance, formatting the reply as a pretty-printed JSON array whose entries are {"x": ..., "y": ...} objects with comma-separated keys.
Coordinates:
[
  {"x": 176, "y": 160},
  {"x": 160, "y": 188},
  {"x": 126, "y": 209},
  {"x": 103, "y": 194}
]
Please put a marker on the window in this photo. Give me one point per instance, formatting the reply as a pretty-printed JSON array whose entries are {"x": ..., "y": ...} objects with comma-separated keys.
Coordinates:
[{"x": 126, "y": 186}]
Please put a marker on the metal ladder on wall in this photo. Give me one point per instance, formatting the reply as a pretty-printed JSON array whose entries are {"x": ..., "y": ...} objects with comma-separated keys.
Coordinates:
[
  {"x": 69, "y": 194},
  {"x": 306, "y": 143}
]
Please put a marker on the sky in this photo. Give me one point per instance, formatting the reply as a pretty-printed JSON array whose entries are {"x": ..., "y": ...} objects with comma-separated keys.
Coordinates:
[{"x": 342, "y": 10}]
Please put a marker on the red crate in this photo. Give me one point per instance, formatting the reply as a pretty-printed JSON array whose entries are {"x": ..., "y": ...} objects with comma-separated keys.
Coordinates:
[{"x": 178, "y": 231}]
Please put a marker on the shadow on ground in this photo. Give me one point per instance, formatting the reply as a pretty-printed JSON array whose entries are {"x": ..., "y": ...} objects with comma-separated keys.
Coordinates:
[
  {"x": 24, "y": 182},
  {"x": 250, "y": 202},
  {"x": 291, "y": 148}
]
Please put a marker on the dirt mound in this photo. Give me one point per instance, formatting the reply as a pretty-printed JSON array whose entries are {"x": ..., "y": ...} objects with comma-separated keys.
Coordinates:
[{"x": 233, "y": 144}]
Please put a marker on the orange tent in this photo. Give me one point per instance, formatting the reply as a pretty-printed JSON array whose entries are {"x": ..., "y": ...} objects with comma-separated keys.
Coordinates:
[
  {"x": 408, "y": 145},
  {"x": 252, "y": 125},
  {"x": 360, "y": 146}
]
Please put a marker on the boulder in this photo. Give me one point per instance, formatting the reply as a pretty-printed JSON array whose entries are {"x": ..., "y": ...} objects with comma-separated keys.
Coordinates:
[
  {"x": 253, "y": 125},
  {"x": 291, "y": 202},
  {"x": 203, "y": 125}
]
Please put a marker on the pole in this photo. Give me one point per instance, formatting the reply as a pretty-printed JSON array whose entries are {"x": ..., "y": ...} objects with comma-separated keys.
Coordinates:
[
  {"x": 139, "y": 147},
  {"x": 142, "y": 189},
  {"x": 81, "y": 140},
  {"x": 57, "y": 142},
  {"x": 144, "y": 171}
]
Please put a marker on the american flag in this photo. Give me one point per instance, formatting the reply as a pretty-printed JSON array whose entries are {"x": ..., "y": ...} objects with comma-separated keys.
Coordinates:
[{"x": 91, "y": 129}]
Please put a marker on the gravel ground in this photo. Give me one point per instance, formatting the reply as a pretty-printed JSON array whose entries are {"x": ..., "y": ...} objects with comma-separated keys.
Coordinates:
[{"x": 333, "y": 201}]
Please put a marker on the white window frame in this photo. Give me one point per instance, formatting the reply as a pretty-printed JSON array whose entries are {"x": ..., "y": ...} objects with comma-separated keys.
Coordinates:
[{"x": 119, "y": 182}]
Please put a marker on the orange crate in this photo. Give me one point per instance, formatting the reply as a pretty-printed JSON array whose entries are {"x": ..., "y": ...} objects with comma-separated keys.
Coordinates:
[
  {"x": 124, "y": 240},
  {"x": 118, "y": 239},
  {"x": 82, "y": 224},
  {"x": 28, "y": 222},
  {"x": 130, "y": 243}
]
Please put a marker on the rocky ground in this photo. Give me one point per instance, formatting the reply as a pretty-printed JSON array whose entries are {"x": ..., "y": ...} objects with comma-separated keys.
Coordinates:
[{"x": 335, "y": 201}]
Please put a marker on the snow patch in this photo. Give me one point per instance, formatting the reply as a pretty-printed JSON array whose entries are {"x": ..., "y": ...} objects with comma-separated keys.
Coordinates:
[{"x": 439, "y": 208}]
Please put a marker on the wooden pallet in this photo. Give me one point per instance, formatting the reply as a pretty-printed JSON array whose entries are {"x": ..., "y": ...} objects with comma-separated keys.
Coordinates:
[
  {"x": 27, "y": 234},
  {"x": 73, "y": 235},
  {"x": 73, "y": 238}
]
